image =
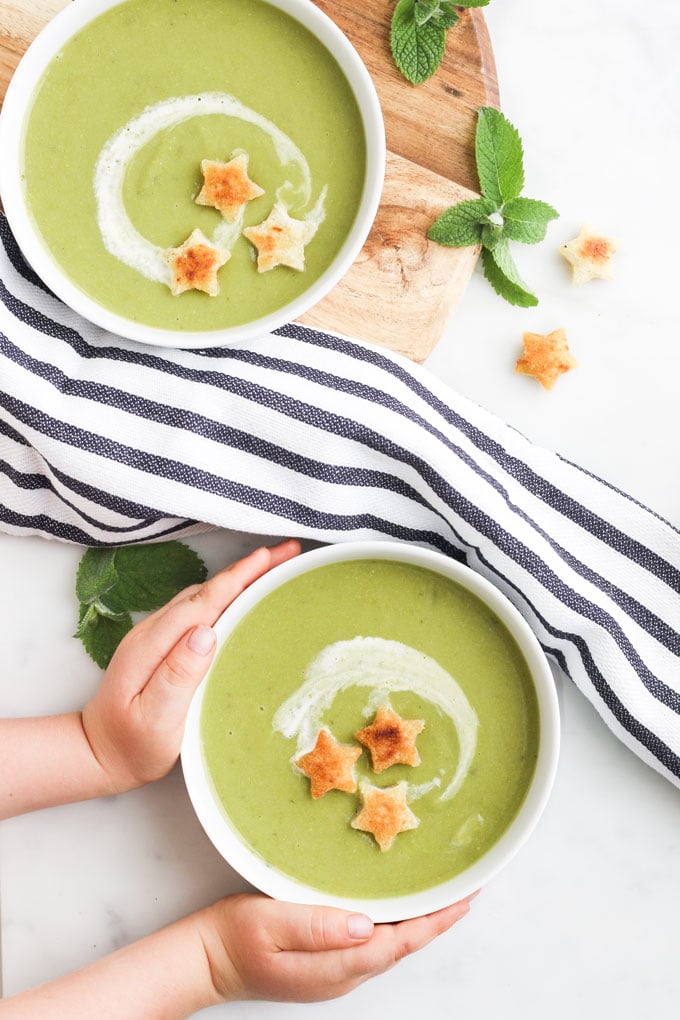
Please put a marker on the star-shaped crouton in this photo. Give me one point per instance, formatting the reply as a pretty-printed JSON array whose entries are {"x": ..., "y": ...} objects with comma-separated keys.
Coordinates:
[
  {"x": 280, "y": 240},
  {"x": 391, "y": 739},
  {"x": 590, "y": 256},
  {"x": 329, "y": 765},
  {"x": 194, "y": 264},
  {"x": 546, "y": 357},
  {"x": 384, "y": 813},
  {"x": 227, "y": 186}
]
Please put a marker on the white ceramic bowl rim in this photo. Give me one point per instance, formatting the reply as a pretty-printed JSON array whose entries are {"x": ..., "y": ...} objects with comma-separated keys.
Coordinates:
[
  {"x": 254, "y": 869},
  {"x": 12, "y": 127}
]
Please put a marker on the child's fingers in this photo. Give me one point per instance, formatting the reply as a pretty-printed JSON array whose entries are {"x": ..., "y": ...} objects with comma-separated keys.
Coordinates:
[
  {"x": 317, "y": 929},
  {"x": 178, "y": 673},
  {"x": 410, "y": 936},
  {"x": 203, "y": 604},
  {"x": 219, "y": 591},
  {"x": 143, "y": 651},
  {"x": 392, "y": 942},
  {"x": 283, "y": 551},
  {"x": 164, "y": 701},
  {"x": 329, "y": 952}
]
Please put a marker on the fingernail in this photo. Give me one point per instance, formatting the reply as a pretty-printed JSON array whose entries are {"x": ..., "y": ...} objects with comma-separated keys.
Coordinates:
[
  {"x": 359, "y": 926},
  {"x": 202, "y": 640}
]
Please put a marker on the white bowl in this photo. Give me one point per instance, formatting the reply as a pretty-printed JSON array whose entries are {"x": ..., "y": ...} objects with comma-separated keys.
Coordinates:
[
  {"x": 255, "y": 869},
  {"x": 13, "y": 118}
]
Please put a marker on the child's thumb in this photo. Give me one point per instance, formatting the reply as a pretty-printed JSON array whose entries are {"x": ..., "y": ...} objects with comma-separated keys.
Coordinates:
[{"x": 315, "y": 929}]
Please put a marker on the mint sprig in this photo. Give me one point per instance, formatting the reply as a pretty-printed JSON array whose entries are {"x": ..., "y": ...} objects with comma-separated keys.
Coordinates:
[
  {"x": 418, "y": 34},
  {"x": 502, "y": 214},
  {"x": 111, "y": 584}
]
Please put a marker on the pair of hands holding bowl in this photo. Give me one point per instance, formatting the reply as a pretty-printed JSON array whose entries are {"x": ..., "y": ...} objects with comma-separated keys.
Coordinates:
[{"x": 245, "y": 946}]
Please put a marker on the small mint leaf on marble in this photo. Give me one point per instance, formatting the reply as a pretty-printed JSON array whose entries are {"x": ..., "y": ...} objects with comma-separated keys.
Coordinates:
[
  {"x": 492, "y": 233},
  {"x": 503, "y": 275},
  {"x": 113, "y": 583},
  {"x": 150, "y": 575},
  {"x": 501, "y": 214},
  {"x": 499, "y": 155},
  {"x": 527, "y": 219},
  {"x": 101, "y": 635},
  {"x": 96, "y": 574}
]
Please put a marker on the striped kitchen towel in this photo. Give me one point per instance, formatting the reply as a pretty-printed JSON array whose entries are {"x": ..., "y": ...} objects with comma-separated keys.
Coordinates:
[{"x": 301, "y": 433}]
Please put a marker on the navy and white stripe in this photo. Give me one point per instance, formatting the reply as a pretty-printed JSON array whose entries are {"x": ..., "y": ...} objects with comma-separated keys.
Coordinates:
[{"x": 301, "y": 433}]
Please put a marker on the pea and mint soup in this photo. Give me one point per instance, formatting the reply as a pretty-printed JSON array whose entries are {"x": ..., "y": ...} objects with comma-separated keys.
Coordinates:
[
  {"x": 327, "y": 650},
  {"x": 121, "y": 123}
]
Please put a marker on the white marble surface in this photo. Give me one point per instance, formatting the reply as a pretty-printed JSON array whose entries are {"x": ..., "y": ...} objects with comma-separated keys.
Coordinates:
[{"x": 584, "y": 921}]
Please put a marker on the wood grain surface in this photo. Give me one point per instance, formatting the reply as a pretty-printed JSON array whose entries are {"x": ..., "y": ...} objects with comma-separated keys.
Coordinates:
[{"x": 402, "y": 289}]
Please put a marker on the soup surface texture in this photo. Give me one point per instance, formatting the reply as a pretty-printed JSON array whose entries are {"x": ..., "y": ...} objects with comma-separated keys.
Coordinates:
[
  {"x": 128, "y": 110},
  {"x": 329, "y": 648}
]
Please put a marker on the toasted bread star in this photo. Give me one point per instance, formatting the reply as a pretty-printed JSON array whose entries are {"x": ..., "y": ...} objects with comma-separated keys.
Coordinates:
[
  {"x": 195, "y": 263},
  {"x": 384, "y": 813},
  {"x": 546, "y": 357},
  {"x": 391, "y": 739},
  {"x": 329, "y": 765},
  {"x": 280, "y": 240},
  {"x": 227, "y": 186},
  {"x": 590, "y": 256}
]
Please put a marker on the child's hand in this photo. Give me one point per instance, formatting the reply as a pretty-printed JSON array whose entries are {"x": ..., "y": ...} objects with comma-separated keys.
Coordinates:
[
  {"x": 265, "y": 949},
  {"x": 135, "y": 721},
  {"x": 244, "y": 947}
]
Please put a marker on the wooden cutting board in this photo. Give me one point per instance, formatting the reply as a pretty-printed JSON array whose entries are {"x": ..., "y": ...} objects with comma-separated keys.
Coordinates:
[{"x": 402, "y": 289}]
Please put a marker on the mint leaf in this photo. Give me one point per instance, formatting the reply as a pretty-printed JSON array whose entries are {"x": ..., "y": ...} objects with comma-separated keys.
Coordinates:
[
  {"x": 150, "y": 575},
  {"x": 492, "y": 233},
  {"x": 448, "y": 16},
  {"x": 101, "y": 635},
  {"x": 417, "y": 49},
  {"x": 462, "y": 224},
  {"x": 501, "y": 272},
  {"x": 526, "y": 219},
  {"x": 96, "y": 574},
  {"x": 423, "y": 10},
  {"x": 418, "y": 34},
  {"x": 501, "y": 214},
  {"x": 113, "y": 583},
  {"x": 442, "y": 12},
  {"x": 89, "y": 614},
  {"x": 499, "y": 155}
]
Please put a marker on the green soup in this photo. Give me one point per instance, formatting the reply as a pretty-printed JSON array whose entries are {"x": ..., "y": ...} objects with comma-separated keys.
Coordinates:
[
  {"x": 328, "y": 648},
  {"x": 175, "y": 82}
]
